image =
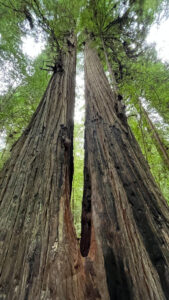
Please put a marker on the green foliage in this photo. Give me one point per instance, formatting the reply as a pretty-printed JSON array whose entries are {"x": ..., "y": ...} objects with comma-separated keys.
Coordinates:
[
  {"x": 119, "y": 22},
  {"x": 19, "y": 103},
  {"x": 150, "y": 80},
  {"x": 24, "y": 81}
]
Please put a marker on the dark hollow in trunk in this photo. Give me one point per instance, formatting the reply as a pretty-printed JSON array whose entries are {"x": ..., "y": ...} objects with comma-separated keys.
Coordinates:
[
  {"x": 130, "y": 217},
  {"x": 86, "y": 212}
]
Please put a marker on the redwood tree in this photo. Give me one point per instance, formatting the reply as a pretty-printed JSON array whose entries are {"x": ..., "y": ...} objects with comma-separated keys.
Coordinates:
[{"x": 125, "y": 216}]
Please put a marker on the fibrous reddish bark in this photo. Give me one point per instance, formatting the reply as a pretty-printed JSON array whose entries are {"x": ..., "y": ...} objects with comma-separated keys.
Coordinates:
[
  {"x": 110, "y": 70},
  {"x": 129, "y": 216},
  {"x": 39, "y": 253}
]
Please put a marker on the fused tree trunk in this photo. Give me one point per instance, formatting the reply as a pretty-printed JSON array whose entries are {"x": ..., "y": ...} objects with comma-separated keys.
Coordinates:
[
  {"x": 39, "y": 253},
  {"x": 129, "y": 218}
]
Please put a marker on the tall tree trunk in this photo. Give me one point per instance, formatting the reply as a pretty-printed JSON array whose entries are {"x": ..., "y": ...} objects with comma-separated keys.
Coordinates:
[
  {"x": 39, "y": 253},
  {"x": 129, "y": 216}
]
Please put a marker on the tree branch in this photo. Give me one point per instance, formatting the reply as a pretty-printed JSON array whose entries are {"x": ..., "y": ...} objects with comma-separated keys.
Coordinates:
[{"x": 118, "y": 20}]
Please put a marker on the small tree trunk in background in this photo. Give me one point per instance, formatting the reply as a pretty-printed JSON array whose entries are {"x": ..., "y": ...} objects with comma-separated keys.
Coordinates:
[
  {"x": 39, "y": 253},
  {"x": 157, "y": 140},
  {"x": 129, "y": 216}
]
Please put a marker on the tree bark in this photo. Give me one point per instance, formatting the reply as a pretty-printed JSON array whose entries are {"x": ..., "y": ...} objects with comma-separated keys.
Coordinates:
[
  {"x": 129, "y": 216},
  {"x": 111, "y": 73},
  {"x": 119, "y": 106},
  {"x": 39, "y": 252}
]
